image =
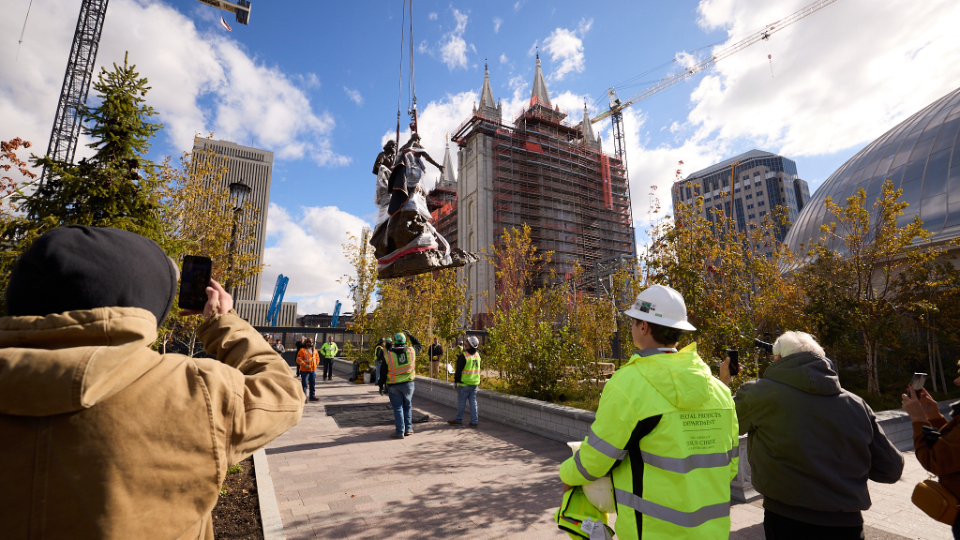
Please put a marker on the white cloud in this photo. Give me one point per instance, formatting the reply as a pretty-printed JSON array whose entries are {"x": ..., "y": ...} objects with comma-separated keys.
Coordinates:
[
  {"x": 503, "y": 59},
  {"x": 516, "y": 7},
  {"x": 497, "y": 21},
  {"x": 201, "y": 81},
  {"x": 453, "y": 48},
  {"x": 843, "y": 77},
  {"x": 566, "y": 46},
  {"x": 308, "y": 248},
  {"x": 437, "y": 120},
  {"x": 432, "y": 16},
  {"x": 354, "y": 96}
]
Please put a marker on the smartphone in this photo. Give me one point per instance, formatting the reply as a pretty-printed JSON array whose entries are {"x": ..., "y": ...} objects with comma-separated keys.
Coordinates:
[
  {"x": 194, "y": 280},
  {"x": 919, "y": 379},
  {"x": 734, "y": 355}
]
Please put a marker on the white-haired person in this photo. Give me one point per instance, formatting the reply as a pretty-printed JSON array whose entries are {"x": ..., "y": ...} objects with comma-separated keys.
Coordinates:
[{"x": 812, "y": 445}]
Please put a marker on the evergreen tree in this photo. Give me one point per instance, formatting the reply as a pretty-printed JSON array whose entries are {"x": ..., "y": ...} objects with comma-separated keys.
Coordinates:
[{"x": 115, "y": 188}]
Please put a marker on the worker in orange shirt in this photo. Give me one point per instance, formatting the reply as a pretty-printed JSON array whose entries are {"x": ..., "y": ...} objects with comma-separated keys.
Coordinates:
[{"x": 308, "y": 358}]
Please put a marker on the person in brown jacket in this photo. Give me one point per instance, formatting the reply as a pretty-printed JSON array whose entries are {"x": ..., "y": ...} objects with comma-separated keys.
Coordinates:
[
  {"x": 103, "y": 437},
  {"x": 938, "y": 451}
]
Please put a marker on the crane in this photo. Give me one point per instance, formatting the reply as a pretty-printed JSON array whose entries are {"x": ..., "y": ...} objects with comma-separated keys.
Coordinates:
[
  {"x": 277, "y": 301},
  {"x": 80, "y": 64},
  {"x": 336, "y": 315},
  {"x": 615, "y": 112}
]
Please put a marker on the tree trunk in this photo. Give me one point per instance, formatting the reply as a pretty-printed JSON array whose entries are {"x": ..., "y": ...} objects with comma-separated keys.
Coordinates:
[
  {"x": 873, "y": 383},
  {"x": 936, "y": 353},
  {"x": 930, "y": 356}
]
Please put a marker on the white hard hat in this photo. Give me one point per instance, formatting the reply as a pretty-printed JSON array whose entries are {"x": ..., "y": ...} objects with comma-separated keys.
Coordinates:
[
  {"x": 473, "y": 341},
  {"x": 661, "y": 305}
]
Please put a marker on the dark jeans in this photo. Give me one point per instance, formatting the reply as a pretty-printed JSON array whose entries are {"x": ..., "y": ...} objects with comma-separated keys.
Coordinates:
[
  {"x": 401, "y": 398},
  {"x": 956, "y": 529},
  {"x": 309, "y": 377},
  {"x": 327, "y": 368},
  {"x": 777, "y": 527}
]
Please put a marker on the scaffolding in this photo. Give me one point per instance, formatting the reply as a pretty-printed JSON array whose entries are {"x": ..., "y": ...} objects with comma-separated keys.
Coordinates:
[{"x": 574, "y": 198}]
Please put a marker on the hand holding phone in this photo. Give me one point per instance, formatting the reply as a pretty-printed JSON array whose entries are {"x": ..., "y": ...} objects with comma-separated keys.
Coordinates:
[
  {"x": 734, "y": 356},
  {"x": 194, "y": 280}
]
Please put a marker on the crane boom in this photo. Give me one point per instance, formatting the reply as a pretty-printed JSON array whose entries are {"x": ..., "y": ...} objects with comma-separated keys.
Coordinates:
[{"x": 616, "y": 105}]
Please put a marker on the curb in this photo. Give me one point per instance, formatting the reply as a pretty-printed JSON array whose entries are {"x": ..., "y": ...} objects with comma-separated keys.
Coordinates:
[{"x": 269, "y": 509}]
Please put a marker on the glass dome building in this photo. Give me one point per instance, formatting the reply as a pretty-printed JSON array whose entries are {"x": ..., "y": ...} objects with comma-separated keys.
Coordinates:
[{"x": 921, "y": 156}]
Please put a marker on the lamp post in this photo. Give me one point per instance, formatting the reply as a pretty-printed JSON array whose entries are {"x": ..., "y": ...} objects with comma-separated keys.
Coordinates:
[{"x": 238, "y": 196}]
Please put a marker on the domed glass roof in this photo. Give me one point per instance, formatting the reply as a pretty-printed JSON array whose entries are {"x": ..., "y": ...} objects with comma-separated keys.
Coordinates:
[{"x": 920, "y": 156}]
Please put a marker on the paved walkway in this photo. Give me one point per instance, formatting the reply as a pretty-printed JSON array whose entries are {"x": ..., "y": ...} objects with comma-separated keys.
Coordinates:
[{"x": 446, "y": 482}]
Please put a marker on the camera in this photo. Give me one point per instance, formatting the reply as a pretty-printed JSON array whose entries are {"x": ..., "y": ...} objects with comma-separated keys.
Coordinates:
[{"x": 767, "y": 347}]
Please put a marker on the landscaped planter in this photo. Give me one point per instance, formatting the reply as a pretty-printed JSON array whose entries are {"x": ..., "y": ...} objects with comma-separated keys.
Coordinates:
[{"x": 565, "y": 424}]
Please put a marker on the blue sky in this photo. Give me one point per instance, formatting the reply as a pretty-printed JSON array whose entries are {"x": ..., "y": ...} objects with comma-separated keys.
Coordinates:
[{"x": 316, "y": 82}]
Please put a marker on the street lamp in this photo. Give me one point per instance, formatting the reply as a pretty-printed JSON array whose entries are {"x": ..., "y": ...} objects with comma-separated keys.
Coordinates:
[{"x": 238, "y": 196}]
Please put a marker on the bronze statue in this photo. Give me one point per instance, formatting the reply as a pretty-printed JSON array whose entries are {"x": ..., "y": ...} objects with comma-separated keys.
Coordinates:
[{"x": 404, "y": 241}]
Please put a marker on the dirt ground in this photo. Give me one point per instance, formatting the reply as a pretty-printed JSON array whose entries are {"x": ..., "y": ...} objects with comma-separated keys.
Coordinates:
[{"x": 237, "y": 514}]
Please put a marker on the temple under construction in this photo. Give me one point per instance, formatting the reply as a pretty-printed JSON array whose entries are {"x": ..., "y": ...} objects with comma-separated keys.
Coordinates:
[{"x": 543, "y": 171}]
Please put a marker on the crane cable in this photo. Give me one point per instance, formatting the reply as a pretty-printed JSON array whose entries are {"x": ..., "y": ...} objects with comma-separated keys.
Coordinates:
[
  {"x": 412, "y": 110},
  {"x": 403, "y": 13},
  {"x": 25, "y": 19}
]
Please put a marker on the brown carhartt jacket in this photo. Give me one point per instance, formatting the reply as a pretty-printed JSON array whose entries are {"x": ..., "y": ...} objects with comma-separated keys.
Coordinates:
[
  {"x": 101, "y": 437},
  {"x": 942, "y": 458}
]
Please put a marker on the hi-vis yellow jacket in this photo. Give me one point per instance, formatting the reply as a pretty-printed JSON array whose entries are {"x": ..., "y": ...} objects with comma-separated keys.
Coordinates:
[{"x": 667, "y": 429}]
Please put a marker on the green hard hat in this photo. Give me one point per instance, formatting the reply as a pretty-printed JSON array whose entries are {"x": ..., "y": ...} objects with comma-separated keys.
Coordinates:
[{"x": 400, "y": 338}]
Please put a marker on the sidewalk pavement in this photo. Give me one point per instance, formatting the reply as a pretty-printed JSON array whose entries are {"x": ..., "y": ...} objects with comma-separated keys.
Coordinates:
[{"x": 455, "y": 482}]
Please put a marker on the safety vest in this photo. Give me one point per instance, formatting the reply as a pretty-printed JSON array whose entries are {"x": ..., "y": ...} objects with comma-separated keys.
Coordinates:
[
  {"x": 328, "y": 350},
  {"x": 308, "y": 359},
  {"x": 401, "y": 366},
  {"x": 470, "y": 376},
  {"x": 377, "y": 352},
  {"x": 673, "y": 481},
  {"x": 580, "y": 518}
]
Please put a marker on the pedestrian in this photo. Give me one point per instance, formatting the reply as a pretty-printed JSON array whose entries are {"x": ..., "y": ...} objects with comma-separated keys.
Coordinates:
[
  {"x": 398, "y": 379},
  {"x": 666, "y": 431},
  {"x": 104, "y": 437},
  {"x": 467, "y": 380},
  {"x": 308, "y": 359},
  {"x": 277, "y": 346},
  {"x": 299, "y": 345},
  {"x": 813, "y": 445},
  {"x": 936, "y": 442},
  {"x": 328, "y": 351},
  {"x": 435, "y": 353},
  {"x": 378, "y": 353}
]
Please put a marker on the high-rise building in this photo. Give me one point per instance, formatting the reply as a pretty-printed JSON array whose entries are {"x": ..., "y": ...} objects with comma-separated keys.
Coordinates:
[
  {"x": 254, "y": 168},
  {"x": 548, "y": 173},
  {"x": 761, "y": 182}
]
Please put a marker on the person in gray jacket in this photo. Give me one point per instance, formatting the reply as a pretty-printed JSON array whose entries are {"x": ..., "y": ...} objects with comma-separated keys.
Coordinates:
[{"x": 812, "y": 445}]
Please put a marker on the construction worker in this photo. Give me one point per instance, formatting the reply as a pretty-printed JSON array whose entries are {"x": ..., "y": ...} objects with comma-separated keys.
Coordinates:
[
  {"x": 307, "y": 360},
  {"x": 328, "y": 350},
  {"x": 467, "y": 379},
  {"x": 378, "y": 358},
  {"x": 666, "y": 430},
  {"x": 435, "y": 352},
  {"x": 398, "y": 377}
]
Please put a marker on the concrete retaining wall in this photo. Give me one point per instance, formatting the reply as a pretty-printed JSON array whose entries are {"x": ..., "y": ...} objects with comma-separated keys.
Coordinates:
[{"x": 564, "y": 424}]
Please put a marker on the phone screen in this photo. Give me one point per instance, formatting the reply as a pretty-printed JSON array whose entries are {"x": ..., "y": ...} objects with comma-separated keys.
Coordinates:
[
  {"x": 734, "y": 355},
  {"x": 194, "y": 280},
  {"x": 919, "y": 379}
]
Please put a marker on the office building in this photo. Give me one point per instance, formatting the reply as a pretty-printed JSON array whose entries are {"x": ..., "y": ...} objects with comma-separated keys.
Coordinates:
[{"x": 762, "y": 181}]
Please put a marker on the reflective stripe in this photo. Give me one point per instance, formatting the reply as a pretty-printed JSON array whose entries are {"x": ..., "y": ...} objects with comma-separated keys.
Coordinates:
[
  {"x": 689, "y": 463},
  {"x": 604, "y": 447},
  {"x": 582, "y": 469},
  {"x": 683, "y": 519},
  {"x": 472, "y": 372}
]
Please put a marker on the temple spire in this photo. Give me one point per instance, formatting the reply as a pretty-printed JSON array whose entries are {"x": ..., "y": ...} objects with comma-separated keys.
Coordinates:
[
  {"x": 586, "y": 128},
  {"x": 539, "y": 94},
  {"x": 486, "y": 95},
  {"x": 448, "y": 174}
]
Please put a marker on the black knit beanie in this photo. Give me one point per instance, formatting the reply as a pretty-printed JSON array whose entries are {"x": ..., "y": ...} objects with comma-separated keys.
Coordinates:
[{"x": 78, "y": 268}]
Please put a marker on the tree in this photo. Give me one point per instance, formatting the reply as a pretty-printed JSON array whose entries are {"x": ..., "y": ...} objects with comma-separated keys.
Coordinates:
[
  {"x": 112, "y": 189},
  {"x": 198, "y": 216},
  {"x": 875, "y": 250},
  {"x": 363, "y": 283},
  {"x": 8, "y": 184}
]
